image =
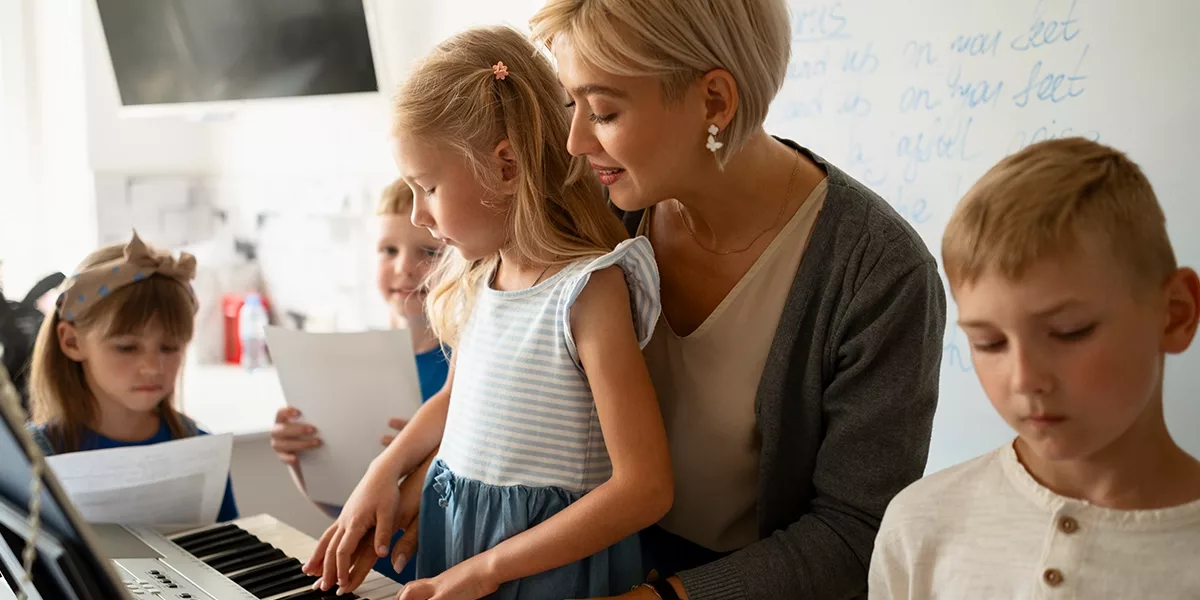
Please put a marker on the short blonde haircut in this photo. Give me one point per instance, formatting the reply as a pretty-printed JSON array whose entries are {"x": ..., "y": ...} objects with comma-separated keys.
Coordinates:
[
  {"x": 557, "y": 214},
  {"x": 679, "y": 41},
  {"x": 396, "y": 199},
  {"x": 1039, "y": 202}
]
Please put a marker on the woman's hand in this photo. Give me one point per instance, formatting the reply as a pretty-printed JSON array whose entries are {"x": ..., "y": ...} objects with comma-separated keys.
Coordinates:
[
  {"x": 642, "y": 592},
  {"x": 469, "y": 580},
  {"x": 410, "y": 513}
]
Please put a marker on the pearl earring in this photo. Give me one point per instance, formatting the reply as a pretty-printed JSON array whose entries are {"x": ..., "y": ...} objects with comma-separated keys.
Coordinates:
[{"x": 713, "y": 145}]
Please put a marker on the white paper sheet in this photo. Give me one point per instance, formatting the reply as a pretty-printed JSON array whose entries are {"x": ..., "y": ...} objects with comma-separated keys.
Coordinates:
[
  {"x": 347, "y": 385},
  {"x": 182, "y": 481}
]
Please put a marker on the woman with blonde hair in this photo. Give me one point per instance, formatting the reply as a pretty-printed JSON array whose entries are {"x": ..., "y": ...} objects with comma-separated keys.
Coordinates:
[{"x": 798, "y": 353}]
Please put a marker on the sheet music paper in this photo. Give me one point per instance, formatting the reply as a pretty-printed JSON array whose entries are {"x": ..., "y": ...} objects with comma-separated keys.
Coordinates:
[
  {"x": 347, "y": 385},
  {"x": 181, "y": 481}
]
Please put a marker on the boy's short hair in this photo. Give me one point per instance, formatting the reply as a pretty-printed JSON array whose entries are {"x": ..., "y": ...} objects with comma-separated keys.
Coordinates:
[
  {"x": 396, "y": 199},
  {"x": 1040, "y": 201}
]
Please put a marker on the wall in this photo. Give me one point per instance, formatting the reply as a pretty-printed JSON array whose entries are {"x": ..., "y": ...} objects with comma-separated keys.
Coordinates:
[
  {"x": 15, "y": 142},
  {"x": 58, "y": 113}
]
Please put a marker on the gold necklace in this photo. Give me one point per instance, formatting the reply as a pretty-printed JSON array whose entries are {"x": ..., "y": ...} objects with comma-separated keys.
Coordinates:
[
  {"x": 782, "y": 205},
  {"x": 496, "y": 273},
  {"x": 541, "y": 275}
]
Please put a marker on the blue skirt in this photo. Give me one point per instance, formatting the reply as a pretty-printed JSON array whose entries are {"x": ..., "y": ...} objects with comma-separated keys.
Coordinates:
[{"x": 461, "y": 518}]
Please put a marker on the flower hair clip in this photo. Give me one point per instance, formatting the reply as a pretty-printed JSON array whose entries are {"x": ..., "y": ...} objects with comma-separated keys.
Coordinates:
[{"x": 500, "y": 69}]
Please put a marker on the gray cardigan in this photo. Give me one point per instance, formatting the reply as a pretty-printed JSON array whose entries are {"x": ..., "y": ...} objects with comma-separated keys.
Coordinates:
[{"x": 845, "y": 405}]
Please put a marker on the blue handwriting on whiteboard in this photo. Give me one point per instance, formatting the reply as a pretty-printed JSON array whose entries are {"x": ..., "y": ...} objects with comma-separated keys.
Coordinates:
[
  {"x": 1051, "y": 86},
  {"x": 855, "y": 105},
  {"x": 955, "y": 357},
  {"x": 914, "y": 99},
  {"x": 918, "y": 54},
  {"x": 941, "y": 141},
  {"x": 979, "y": 44},
  {"x": 1044, "y": 33},
  {"x": 804, "y": 108},
  {"x": 809, "y": 68},
  {"x": 820, "y": 24},
  {"x": 860, "y": 62},
  {"x": 974, "y": 93}
]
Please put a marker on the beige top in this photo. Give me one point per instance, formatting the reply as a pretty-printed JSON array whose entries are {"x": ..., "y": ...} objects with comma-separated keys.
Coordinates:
[
  {"x": 987, "y": 529},
  {"x": 707, "y": 383}
]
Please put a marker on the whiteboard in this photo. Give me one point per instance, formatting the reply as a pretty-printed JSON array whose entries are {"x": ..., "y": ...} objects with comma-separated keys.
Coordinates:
[{"x": 918, "y": 98}]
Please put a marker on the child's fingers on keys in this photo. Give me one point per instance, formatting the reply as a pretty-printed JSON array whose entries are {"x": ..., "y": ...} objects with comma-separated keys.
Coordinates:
[
  {"x": 317, "y": 560},
  {"x": 397, "y": 423},
  {"x": 406, "y": 546},
  {"x": 387, "y": 440},
  {"x": 329, "y": 573},
  {"x": 352, "y": 536},
  {"x": 385, "y": 527},
  {"x": 364, "y": 559}
]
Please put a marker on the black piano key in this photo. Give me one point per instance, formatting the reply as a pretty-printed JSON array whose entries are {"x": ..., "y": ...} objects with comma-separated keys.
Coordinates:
[
  {"x": 293, "y": 583},
  {"x": 319, "y": 595},
  {"x": 264, "y": 568},
  {"x": 260, "y": 575},
  {"x": 259, "y": 549},
  {"x": 200, "y": 543},
  {"x": 199, "y": 535},
  {"x": 225, "y": 546},
  {"x": 272, "y": 580},
  {"x": 244, "y": 559},
  {"x": 237, "y": 563}
]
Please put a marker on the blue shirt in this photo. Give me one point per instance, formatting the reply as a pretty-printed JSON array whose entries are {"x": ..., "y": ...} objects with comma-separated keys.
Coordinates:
[
  {"x": 432, "y": 369},
  {"x": 94, "y": 441}
]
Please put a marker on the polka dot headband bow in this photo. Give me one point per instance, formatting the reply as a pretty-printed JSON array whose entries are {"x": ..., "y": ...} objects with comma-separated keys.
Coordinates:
[{"x": 138, "y": 262}]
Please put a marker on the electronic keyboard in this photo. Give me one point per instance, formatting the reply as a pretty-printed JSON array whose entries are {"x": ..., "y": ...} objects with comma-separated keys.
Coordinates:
[{"x": 256, "y": 557}]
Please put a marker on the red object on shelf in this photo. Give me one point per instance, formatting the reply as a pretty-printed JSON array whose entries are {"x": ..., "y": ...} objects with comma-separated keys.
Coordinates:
[{"x": 231, "y": 305}]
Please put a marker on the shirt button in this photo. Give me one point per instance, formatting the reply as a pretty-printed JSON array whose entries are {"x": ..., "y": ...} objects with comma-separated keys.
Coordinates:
[
  {"x": 1068, "y": 525},
  {"x": 1052, "y": 577}
]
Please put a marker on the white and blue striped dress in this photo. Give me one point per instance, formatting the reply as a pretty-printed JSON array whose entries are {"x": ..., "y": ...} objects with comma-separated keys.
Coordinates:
[{"x": 522, "y": 438}]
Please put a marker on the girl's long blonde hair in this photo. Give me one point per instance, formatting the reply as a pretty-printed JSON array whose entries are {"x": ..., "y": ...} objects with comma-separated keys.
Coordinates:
[
  {"x": 61, "y": 401},
  {"x": 558, "y": 214}
]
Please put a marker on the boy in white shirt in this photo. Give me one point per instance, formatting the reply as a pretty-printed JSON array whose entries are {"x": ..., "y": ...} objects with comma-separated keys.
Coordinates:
[{"x": 1069, "y": 293}]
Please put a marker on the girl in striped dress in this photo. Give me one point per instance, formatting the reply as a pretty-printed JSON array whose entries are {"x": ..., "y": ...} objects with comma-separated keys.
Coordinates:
[{"x": 552, "y": 448}]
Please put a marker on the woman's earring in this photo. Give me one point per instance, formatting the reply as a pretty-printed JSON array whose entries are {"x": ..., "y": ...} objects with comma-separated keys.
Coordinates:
[{"x": 713, "y": 144}]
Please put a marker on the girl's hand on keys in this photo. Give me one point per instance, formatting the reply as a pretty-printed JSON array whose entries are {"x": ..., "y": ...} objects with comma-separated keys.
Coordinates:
[{"x": 371, "y": 509}]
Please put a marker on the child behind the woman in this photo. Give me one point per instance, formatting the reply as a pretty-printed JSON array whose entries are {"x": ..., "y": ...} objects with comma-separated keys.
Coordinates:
[
  {"x": 554, "y": 454},
  {"x": 107, "y": 360}
]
